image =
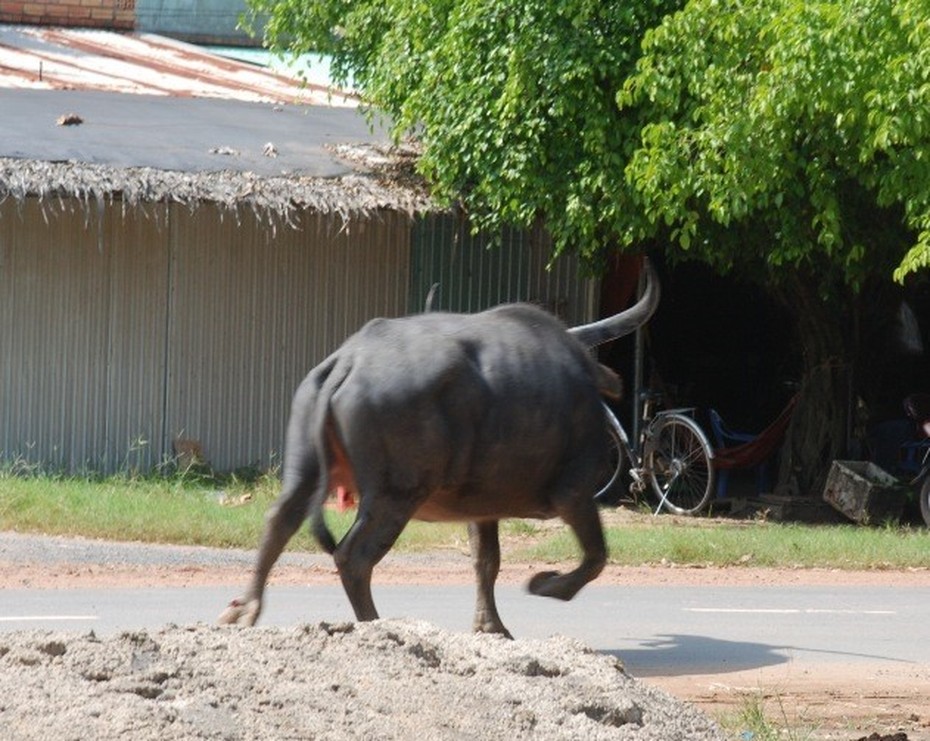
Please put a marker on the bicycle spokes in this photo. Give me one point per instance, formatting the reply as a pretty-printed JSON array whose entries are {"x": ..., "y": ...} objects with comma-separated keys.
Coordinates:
[{"x": 680, "y": 463}]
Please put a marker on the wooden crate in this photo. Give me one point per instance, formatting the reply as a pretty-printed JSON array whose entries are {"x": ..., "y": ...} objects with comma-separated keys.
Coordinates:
[{"x": 864, "y": 492}]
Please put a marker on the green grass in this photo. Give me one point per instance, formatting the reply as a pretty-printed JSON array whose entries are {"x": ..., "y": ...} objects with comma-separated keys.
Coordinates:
[
  {"x": 751, "y": 544},
  {"x": 182, "y": 510},
  {"x": 150, "y": 510},
  {"x": 753, "y": 720},
  {"x": 209, "y": 511}
]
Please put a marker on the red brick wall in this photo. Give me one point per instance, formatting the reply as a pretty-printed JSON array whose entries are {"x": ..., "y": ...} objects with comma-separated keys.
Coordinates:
[{"x": 112, "y": 14}]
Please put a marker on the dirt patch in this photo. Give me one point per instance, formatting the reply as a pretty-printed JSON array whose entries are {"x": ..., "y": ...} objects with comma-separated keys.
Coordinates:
[
  {"x": 838, "y": 702},
  {"x": 382, "y": 680},
  {"x": 440, "y": 567}
]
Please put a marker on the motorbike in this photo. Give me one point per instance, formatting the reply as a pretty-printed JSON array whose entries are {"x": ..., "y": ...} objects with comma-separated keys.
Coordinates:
[{"x": 916, "y": 455}]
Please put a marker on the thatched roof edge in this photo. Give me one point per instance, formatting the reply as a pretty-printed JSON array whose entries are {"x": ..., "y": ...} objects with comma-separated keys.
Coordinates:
[{"x": 356, "y": 193}]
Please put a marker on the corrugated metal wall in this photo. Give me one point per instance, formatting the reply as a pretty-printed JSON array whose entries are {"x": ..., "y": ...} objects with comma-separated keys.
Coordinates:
[
  {"x": 123, "y": 331},
  {"x": 476, "y": 273},
  {"x": 73, "y": 392},
  {"x": 252, "y": 313},
  {"x": 132, "y": 406}
]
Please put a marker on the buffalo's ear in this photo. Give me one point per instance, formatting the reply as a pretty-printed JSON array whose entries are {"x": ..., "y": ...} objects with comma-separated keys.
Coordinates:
[{"x": 608, "y": 382}]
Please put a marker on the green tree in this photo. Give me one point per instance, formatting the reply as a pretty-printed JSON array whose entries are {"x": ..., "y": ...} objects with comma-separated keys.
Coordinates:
[
  {"x": 790, "y": 141},
  {"x": 513, "y": 103},
  {"x": 782, "y": 140}
]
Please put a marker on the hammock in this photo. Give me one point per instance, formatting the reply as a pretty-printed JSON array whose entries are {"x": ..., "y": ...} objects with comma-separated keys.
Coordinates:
[{"x": 760, "y": 448}]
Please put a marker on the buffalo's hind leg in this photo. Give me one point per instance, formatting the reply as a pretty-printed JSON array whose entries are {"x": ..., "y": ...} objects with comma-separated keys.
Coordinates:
[
  {"x": 579, "y": 513},
  {"x": 283, "y": 520},
  {"x": 486, "y": 553},
  {"x": 381, "y": 519}
]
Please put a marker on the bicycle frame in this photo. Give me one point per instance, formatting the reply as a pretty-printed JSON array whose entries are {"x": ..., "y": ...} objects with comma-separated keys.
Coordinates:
[
  {"x": 621, "y": 433},
  {"x": 633, "y": 455},
  {"x": 640, "y": 470}
]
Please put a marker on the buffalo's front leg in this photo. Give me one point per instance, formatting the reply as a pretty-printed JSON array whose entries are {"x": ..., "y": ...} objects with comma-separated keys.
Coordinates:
[
  {"x": 283, "y": 520},
  {"x": 486, "y": 553},
  {"x": 582, "y": 516}
]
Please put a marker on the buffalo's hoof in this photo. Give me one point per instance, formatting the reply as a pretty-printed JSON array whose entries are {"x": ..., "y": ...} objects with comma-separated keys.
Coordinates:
[
  {"x": 552, "y": 584},
  {"x": 491, "y": 628},
  {"x": 241, "y": 612}
]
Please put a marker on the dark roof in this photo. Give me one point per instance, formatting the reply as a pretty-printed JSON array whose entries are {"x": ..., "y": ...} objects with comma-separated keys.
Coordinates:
[{"x": 272, "y": 155}]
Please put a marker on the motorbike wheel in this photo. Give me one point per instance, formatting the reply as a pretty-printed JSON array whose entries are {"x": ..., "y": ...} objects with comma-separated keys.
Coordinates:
[{"x": 925, "y": 501}]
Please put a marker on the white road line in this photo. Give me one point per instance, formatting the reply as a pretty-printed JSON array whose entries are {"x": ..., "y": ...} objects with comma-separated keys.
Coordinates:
[
  {"x": 43, "y": 618},
  {"x": 786, "y": 611}
]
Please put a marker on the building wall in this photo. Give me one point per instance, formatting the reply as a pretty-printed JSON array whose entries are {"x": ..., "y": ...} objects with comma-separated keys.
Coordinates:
[
  {"x": 83, "y": 342},
  {"x": 473, "y": 273},
  {"x": 197, "y": 21},
  {"x": 252, "y": 313},
  {"x": 110, "y": 14},
  {"x": 125, "y": 331}
]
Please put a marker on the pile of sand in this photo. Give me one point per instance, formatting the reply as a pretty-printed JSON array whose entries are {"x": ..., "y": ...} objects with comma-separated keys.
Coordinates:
[{"x": 383, "y": 680}]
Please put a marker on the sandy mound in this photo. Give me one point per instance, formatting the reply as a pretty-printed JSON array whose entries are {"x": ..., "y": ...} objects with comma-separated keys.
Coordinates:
[{"x": 382, "y": 680}]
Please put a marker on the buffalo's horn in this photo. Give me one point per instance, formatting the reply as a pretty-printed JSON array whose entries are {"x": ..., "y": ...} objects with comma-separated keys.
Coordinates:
[{"x": 626, "y": 322}]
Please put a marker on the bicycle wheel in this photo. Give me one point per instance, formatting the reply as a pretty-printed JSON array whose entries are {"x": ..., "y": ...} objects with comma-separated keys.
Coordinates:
[
  {"x": 680, "y": 464},
  {"x": 925, "y": 501},
  {"x": 606, "y": 493}
]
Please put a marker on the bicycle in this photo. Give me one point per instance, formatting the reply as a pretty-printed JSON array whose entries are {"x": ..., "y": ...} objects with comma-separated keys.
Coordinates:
[{"x": 673, "y": 456}]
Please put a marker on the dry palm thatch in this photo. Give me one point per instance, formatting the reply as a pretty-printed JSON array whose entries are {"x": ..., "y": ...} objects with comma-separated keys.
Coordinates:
[{"x": 386, "y": 182}]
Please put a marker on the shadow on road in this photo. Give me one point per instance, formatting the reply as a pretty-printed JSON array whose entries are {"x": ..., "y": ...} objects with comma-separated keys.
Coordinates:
[{"x": 676, "y": 655}]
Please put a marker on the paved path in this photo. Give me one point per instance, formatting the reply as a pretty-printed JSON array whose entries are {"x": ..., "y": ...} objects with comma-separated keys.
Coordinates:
[{"x": 656, "y": 630}]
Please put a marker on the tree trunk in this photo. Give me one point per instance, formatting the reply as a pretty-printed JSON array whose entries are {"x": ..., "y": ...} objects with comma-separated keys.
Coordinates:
[{"x": 818, "y": 431}]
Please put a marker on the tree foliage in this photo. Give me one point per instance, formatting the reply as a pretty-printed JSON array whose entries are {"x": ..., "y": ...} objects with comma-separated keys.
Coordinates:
[
  {"x": 515, "y": 104},
  {"x": 750, "y": 134},
  {"x": 789, "y": 140},
  {"x": 808, "y": 121}
]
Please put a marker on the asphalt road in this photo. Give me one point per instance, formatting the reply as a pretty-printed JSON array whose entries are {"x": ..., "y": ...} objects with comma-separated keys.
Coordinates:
[{"x": 655, "y": 630}]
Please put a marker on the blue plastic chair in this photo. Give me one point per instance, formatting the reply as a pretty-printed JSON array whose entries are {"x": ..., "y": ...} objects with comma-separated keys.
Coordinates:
[{"x": 727, "y": 438}]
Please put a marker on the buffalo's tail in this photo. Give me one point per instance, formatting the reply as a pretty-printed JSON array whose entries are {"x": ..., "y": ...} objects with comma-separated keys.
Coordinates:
[
  {"x": 330, "y": 379},
  {"x": 321, "y": 531}
]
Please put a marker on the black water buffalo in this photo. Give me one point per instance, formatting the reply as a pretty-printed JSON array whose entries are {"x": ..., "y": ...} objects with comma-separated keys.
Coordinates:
[{"x": 449, "y": 417}]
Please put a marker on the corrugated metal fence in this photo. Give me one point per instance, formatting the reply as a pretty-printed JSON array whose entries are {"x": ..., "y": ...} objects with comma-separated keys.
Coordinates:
[
  {"x": 476, "y": 272},
  {"x": 124, "y": 331}
]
